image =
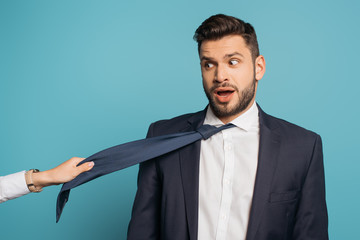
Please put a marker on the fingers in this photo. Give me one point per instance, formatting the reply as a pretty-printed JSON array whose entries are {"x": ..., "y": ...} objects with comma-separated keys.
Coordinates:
[
  {"x": 85, "y": 166},
  {"x": 76, "y": 160}
]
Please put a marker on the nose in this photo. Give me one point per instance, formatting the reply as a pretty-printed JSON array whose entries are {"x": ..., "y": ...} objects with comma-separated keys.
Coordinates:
[{"x": 221, "y": 74}]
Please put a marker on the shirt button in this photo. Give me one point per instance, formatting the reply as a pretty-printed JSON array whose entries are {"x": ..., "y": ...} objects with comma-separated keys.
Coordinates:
[
  {"x": 227, "y": 182},
  {"x": 228, "y": 148},
  {"x": 223, "y": 216}
]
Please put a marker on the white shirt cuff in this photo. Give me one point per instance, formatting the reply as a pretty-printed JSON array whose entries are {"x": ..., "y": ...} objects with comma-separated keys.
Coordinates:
[{"x": 13, "y": 186}]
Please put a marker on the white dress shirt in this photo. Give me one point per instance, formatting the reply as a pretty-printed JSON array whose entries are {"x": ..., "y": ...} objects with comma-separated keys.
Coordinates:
[
  {"x": 13, "y": 186},
  {"x": 228, "y": 163}
]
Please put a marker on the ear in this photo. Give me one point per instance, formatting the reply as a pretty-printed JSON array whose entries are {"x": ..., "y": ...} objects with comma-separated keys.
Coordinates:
[{"x": 260, "y": 67}]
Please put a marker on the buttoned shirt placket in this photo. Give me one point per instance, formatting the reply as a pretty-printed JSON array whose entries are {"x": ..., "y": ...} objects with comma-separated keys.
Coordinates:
[{"x": 226, "y": 194}]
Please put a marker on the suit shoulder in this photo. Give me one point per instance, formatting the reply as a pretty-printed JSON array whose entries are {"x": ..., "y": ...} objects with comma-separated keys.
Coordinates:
[
  {"x": 175, "y": 120},
  {"x": 173, "y": 125},
  {"x": 292, "y": 130}
]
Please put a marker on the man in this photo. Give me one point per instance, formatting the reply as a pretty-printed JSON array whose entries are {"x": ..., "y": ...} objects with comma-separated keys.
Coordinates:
[{"x": 263, "y": 179}]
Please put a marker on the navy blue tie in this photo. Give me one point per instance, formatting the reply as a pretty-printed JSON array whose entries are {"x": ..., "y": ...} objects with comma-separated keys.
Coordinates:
[{"x": 128, "y": 154}]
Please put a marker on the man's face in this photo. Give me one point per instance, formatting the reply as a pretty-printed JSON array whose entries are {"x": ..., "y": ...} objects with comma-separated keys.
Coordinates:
[{"x": 230, "y": 75}]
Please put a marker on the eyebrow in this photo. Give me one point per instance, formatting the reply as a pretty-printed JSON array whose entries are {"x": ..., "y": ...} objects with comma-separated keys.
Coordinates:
[
  {"x": 233, "y": 54},
  {"x": 226, "y": 56},
  {"x": 203, "y": 58}
]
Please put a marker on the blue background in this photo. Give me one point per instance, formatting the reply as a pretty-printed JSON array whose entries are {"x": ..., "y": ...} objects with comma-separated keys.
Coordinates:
[{"x": 79, "y": 76}]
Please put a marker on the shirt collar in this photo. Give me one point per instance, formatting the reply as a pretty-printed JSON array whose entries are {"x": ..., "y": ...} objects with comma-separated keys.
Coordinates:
[{"x": 245, "y": 121}]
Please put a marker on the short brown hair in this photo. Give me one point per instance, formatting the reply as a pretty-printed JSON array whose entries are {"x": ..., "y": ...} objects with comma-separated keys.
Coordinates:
[{"x": 220, "y": 25}]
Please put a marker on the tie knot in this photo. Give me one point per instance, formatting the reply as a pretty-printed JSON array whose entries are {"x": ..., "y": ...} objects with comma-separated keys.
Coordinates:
[{"x": 206, "y": 131}]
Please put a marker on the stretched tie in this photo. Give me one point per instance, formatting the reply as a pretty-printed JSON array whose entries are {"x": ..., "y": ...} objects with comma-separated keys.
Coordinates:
[{"x": 131, "y": 153}]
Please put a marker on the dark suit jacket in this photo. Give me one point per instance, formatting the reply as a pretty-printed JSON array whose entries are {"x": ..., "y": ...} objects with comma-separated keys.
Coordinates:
[{"x": 289, "y": 192}]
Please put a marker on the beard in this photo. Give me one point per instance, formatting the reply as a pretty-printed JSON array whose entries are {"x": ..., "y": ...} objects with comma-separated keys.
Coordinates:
[{"x": 224, "y": 109}]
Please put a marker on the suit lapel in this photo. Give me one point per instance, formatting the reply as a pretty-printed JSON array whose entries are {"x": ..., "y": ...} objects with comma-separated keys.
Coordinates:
[
  {"x": 268, "y": 151},
  {"x": 189, "y": 167}
]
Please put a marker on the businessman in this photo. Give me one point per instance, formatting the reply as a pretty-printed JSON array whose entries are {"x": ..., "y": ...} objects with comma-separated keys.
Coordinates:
[{"x": 260, "y": 180}]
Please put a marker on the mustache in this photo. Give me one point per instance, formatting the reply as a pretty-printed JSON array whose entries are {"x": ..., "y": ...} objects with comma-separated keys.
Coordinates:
[{"x": 212, "y": 89}]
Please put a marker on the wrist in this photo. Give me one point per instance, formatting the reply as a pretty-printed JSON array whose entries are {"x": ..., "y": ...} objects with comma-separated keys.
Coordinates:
[{"x": 33, "y": 181}]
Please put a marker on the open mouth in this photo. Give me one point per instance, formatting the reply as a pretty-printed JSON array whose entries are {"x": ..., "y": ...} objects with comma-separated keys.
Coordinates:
[
  {"x": 224, "y": 94},
  {"x": 224, "y": 91}
]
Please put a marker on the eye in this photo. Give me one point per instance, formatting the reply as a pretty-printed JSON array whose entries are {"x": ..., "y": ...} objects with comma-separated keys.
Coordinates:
[
  {"x": 233, "y": 62},
  {"x": 208, "y": 65}
]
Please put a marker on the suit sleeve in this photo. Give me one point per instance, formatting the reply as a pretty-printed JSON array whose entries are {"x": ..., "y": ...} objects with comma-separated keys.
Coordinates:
[
  {"x": 145, "y": 218},
  {"x": 311, "y": 221}
]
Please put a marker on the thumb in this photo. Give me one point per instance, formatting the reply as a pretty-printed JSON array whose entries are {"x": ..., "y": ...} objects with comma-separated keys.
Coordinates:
[{"x": 85, "y": 166}]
